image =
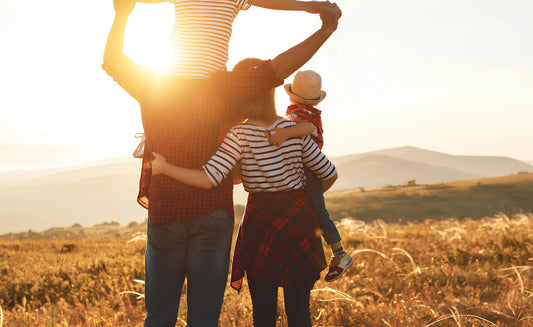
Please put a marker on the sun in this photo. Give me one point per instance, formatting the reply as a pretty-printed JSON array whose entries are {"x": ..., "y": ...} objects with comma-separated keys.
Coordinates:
[{"x": 147, "y": 35}]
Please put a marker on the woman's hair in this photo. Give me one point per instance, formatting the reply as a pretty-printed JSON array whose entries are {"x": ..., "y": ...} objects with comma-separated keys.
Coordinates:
[{"x": 262, "y": 108}]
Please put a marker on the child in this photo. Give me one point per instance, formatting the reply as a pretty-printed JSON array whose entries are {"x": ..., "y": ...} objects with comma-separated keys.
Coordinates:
[
  {"x": 201, "y": 34},
  {"x": 305, "y": 92},
  {"x": 202, "y": 30}
]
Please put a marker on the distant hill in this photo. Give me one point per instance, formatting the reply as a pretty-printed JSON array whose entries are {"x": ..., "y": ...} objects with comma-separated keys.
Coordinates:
[
  {"x": 452, "y": 165},
  {"x": 475, "y": 198},
  {"x": 375, "y": 170},
  {"x": 85, "y": 195},
  {"x": 106, "y": 191}
]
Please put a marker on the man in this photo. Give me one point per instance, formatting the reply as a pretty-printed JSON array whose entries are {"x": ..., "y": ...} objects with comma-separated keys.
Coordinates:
[{"x": 189, "y": 229}]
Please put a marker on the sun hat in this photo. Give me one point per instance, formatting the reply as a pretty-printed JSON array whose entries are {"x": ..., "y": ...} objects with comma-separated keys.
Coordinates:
[{"x": 306, "y": 88}]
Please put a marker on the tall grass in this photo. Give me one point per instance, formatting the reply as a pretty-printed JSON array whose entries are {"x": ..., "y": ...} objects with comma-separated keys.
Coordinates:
[{"x": 433, "y": 273}]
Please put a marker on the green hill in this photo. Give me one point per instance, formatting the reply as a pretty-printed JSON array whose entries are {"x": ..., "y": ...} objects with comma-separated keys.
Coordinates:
[{"x": 471, "y": 198}]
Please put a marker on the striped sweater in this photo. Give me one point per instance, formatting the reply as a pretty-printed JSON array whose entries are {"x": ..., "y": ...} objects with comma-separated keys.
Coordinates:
[
  {"x": 201, "y": 35},
  {"x": 264, "y": 167}
]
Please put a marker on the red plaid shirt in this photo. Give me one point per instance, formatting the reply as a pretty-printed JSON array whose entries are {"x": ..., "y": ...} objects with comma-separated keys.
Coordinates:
[
  {"x": 279, "y": 240},
  {"x": 307, "y": 113},
  {"x": 185, "y": 121}
]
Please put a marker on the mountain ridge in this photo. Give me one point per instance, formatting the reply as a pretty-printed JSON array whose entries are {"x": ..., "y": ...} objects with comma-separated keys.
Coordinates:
[{"x": 107, "y": 190}]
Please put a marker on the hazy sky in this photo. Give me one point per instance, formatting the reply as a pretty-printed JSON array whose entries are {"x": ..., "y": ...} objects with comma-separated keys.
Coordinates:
[{"x": 454, "y": 76}]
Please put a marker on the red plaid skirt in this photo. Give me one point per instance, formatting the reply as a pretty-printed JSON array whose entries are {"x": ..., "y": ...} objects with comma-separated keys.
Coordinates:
[{"x": 279, "y": 240}]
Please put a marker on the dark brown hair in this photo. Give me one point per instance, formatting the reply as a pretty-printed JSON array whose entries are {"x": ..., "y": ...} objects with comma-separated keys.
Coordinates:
[{"x": 262, "y": 108}]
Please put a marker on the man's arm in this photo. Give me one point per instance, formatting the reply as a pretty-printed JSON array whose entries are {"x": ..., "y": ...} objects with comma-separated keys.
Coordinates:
[
  {"x": 309, "y": 6},
  {"x": 289, "y": 61},
  {"x": 132, "y": 77},
  {"x": 298, "y": 130},
  {"x": 239, "y": 87}
]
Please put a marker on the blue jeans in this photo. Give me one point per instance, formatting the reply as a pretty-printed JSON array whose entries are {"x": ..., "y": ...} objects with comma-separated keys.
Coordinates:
[
  {"x": 313, "y": 188},
  {"x": 197, "y": 249}
]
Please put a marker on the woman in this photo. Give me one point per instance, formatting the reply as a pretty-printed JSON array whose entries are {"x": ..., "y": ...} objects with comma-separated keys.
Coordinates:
[{"x": 279, "y": 239}]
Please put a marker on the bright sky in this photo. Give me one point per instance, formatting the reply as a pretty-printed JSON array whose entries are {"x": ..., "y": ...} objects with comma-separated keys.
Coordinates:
[{"x": 454, "y": 76}]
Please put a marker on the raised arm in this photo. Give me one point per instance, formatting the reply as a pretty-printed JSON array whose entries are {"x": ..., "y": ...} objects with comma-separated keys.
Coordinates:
[
  {"x": 289, "y": 61},
  {"x": 309, "y": 6},
  {"x": 132, "y": 77},
  {"x": 115, "y": 40}
]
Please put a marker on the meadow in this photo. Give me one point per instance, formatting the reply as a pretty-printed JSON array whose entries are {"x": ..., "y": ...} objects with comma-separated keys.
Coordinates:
[
  {"x": 450, "y": 272},
  {"x": 474, "y": 198}
]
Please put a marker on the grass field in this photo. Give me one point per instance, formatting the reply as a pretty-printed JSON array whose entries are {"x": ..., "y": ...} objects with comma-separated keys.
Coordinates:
[
  {"x": 431, "y": 273},
  {"x": 463, "y": 199}
]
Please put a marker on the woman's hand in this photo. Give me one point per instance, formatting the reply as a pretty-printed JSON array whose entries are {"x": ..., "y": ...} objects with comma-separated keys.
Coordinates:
[{"x": 158, "y": 164}]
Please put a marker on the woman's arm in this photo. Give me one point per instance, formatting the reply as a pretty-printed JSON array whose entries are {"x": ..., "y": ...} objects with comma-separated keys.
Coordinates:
[
  {"x": 193, "y": 177},
  {"x": 315, "y": 160},
  {"x": 214, "y": 171},
  {"x": 299, "y": 130},
  {"x": 328, "y": 182},
  {"x": 309, "y": 6},
  {"x": 236, "y": 175}
]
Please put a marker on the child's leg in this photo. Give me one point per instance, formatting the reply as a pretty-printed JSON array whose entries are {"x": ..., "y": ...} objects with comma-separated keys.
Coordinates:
[
  {"x": 341, "y": 260},
  {"x": 313, "y": 187}
]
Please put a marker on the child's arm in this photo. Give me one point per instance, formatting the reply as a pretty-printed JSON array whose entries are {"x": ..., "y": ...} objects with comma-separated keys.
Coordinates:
[
  {"x": 194, "y": 177},
  {"x": 298, "y": 130},
  {"x": 309, "y": 6}
]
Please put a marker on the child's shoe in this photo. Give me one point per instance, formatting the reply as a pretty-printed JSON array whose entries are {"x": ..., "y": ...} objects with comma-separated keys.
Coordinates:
[{"x": 338, "y": 267}]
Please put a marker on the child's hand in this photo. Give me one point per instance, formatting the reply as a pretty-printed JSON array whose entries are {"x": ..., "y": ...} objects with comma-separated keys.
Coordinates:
[
  {"x": 314, "y": 7},
  {"x": 278, "y": 137},
  {"x": 158, "y": 163}
]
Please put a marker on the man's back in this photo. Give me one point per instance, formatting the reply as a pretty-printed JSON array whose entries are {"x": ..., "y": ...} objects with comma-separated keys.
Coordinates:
[{"x": 185, "y": 121}]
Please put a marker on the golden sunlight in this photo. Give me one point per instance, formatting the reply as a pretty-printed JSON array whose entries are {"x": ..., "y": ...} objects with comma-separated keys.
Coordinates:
[
  {"x": 158, "y": 57},
  {"x": 147, "y": 37}
]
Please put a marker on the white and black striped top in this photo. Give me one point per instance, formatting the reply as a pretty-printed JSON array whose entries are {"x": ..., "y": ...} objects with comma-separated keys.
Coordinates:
[
  {"x": 264, "y": 167},
  {"x": 201, "y": 35}
]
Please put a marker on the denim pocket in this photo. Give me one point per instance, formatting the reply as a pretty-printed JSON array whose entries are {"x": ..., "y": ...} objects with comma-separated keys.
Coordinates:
[
  {"x": 157, "y": 233},
  {"x": 218, "y": 221}
]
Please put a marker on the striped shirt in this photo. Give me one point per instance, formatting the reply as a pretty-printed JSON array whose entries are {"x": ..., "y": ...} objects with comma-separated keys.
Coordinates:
[
  {"x": 201, "y": 35},
  {"x": 265, "y": 167}
]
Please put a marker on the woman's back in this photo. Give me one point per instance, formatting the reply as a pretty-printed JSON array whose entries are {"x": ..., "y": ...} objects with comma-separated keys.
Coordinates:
[{"x": 264, "y": 167}]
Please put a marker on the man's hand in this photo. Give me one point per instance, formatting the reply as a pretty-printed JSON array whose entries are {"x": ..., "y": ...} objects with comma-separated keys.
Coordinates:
[
  {"x": 330, "y": 14},
  {"x": 124, "y": 6},
  {"x": 158, "y": 163}
]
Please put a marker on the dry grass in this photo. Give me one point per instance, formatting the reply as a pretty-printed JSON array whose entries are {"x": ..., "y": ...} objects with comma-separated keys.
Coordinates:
[{"x": 433, "y": 273}]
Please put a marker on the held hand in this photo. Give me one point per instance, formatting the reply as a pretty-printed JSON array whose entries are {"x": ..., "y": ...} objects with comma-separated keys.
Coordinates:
[
  {"x": 313, "y": 7},
  {"x": 124, "y": 6},
  {"x": 158, "y": 163},
  {"x": 278, "y": 137},
  {"x": 330, "y": 14}
]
